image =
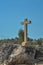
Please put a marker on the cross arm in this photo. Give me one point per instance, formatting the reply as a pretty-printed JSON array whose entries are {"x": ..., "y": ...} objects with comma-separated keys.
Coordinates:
[{"x": 26, "y": 22}]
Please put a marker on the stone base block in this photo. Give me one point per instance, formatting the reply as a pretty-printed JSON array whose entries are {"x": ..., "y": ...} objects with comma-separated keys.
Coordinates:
[{"x": 24, "y": 43}]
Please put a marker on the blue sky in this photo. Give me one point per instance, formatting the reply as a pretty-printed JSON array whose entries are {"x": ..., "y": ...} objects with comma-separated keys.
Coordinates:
[{"x": 12, "y": 12}]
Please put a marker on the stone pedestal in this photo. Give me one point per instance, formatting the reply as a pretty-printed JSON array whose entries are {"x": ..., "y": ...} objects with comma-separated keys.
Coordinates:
[{"x": 24, "y": 43}]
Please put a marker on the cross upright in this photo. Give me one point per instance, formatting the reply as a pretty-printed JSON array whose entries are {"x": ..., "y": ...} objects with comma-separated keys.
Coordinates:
[{"x": 26, "y": 22}]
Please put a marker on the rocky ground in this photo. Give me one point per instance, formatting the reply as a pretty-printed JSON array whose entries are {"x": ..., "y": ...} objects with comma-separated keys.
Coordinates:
[{"x": 12, "y": 54}]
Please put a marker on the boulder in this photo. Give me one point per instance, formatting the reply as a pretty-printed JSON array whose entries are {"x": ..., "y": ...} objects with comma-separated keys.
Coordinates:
[{"x": 19, "y": 56}]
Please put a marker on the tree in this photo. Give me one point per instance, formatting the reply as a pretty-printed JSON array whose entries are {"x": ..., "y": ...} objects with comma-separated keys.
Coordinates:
[{"x": 21, "y": 35}]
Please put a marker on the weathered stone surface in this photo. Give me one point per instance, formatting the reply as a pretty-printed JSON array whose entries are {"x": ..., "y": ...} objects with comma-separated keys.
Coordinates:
[
  {"x": 16, "y": 54},
  {"x": 5, "y": 51},
  {"x": 20, "y": 56}
]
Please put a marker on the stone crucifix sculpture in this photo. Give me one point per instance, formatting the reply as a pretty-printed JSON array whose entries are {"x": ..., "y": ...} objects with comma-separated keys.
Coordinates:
[{"x": 25, "y": 23}]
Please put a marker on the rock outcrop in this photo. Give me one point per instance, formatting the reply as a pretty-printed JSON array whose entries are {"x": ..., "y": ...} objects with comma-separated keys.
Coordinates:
[
  {"x": 15, "y": 54},
  {"x": 19, "y": 56},
  {"x": 12, "y": 54}
]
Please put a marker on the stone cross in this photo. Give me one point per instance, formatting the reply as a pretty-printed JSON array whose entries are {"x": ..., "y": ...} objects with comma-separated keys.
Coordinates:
[{"x": 26, "y": 22}]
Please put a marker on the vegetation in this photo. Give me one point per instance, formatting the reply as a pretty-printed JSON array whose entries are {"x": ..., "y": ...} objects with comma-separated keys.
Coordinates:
[
  {"x": 21, "y": 35},
  {"x": 38, "y": 44}
]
